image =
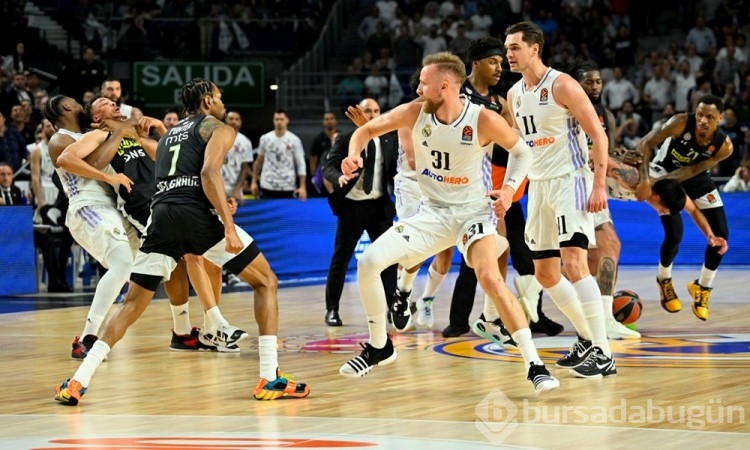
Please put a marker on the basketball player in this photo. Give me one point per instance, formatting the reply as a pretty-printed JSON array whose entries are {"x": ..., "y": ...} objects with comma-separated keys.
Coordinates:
[
  {"x": 135, "y": 158},
  {"x": 190, "y": 214},
  {"x": 452, "y": 140},
  {"x": 666, "y": 195},
  {"x": 112, "y": 89},
  {"x": 688, "y": 146},
  {"x": 551, "y": 111},
  {"x": 604, "y": 258},
  {"x": 92, "y": 217}
]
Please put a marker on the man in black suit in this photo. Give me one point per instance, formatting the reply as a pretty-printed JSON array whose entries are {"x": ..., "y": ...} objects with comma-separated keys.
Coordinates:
[
  {"x": 361, "y": 203},
  {"x": 10, "y": 194}
]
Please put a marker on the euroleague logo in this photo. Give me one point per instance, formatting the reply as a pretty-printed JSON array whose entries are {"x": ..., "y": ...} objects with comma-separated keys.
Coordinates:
[{"x": 729, "y": 350}]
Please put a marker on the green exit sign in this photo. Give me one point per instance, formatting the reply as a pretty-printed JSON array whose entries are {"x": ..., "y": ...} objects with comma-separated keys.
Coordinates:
[{"x": 160, "y": 83}]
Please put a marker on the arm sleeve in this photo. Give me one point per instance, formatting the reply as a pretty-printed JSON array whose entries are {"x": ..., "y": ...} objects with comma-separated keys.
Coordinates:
[{"x": 518, "y": 164}]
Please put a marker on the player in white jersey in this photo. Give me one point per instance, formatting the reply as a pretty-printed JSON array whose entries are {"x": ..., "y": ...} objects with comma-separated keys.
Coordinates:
[
  {"x": 44, "y": 189},
  {"x": 408, "y": 197},
  {"x": 452, "y": 139},
  {"x": 93, "y": 218},
  {"x": 552, "y": 112}
]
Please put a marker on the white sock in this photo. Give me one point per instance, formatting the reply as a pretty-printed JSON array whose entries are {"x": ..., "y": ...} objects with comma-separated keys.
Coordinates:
[
  {"x": 94, "y": 357},
  {"x": 434, "y": 280},
  {"x": 120, "y": 262},
  {"x": 664, "y": 272},
  {"x": 181, "y": 319},
  {"x": 707, "y": 277},
  {"x": 406, "y": 281},
  {"x": 490, "y": 310},
  {"x": 591, "y": 304},
  {"x": 526, "y": 346},
  {"x": 213, "y": 319},
  {"x": 93, "y": 322},
  {"x": 607, "y": 302},
  {"x": 378, "y": 334},
  {"x": 566, "y": 299},
  {"x": 268, "y": 355}
]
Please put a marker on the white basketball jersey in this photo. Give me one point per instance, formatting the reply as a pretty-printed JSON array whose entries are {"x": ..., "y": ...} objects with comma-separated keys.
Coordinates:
[
  {"x": 554, "y": 135},
  {"x": 402, "y": 165},
  {"x": 46, "y": 168},
  {"x": 126, "y": 111},
  {"x": 84, "y": 191},
  {"x": 452, "y": 168}
]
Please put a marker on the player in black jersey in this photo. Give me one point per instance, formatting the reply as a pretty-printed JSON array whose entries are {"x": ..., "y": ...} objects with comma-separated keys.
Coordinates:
[
  {"x": 688, "y": 146},
  {"x": 190, "y": 214},
  {"x": 480, "y": 87},
  {"x": 133, "y": 153},
  {"x": 604, "y": 258}
]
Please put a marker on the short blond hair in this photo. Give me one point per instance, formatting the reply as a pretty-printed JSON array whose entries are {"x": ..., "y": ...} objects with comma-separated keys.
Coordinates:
[{"x": 447, "y": 62}]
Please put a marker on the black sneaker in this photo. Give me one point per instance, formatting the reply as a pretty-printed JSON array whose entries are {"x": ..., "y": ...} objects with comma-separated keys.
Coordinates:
[
  {"x": 597, "y": 365},
  {"x": 189, "y": 342},
  {"x": 402, "y": 310},
  {"x": 452, "y": 331},
  {"x": 369, "y": 358},
  {"x": 547, "y": 326},
  {"x": 543, "y": 381},
  {"x": 494, "y": 331},
  {"x": 81, "y": 347},
  {"x": 577, "y": 354}
]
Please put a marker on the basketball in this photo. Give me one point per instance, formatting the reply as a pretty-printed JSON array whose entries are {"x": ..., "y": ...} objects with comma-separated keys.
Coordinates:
[{"x": 626, "y": 307}]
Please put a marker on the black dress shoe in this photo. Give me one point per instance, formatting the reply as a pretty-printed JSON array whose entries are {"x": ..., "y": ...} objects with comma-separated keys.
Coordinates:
[
  {"x": 333, "y": 319},
  {"x": 455, "y": 331}
]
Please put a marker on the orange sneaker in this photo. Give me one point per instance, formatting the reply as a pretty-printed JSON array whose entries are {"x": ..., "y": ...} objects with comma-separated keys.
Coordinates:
[
  {"x": 282, "y": 386},
  {"x": 70, "y": 392}
]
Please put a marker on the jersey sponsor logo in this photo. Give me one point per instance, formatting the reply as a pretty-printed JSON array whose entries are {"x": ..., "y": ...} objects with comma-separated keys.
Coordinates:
[
  {"x": 427, "y": 130},
  {"x": 182, "y": 181},
  {"x": 541, "y": 142},
  {"x": 129, "y": 155},
  {"x": 680, "y": 158},
  {"x": 445, "y": 179},
  {"x": 543, "y": 96},
  {"x": 467, "y": 134}
]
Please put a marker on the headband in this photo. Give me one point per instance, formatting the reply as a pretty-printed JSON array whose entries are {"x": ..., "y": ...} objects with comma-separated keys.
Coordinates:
[{"x": 494, "y": 51}]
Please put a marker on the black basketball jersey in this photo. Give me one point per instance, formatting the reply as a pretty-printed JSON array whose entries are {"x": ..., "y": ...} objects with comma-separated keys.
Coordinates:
[
  {"x": 179, "y": 160},
  {"x": 601, "y": 112},
  {"x": 132, "y": 160},
  {"x": 684, "y": 151},
  {"x": 491, "y": 102}
]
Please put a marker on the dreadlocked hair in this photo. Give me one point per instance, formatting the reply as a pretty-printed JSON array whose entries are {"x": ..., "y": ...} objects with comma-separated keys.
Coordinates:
[
  {"x": 193, "y": 92},
  {"x": 53, "y": 109}
]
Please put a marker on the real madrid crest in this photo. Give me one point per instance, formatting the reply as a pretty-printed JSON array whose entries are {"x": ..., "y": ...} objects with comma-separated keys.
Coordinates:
[
  {"x": 518, "y": 101},
  {"x": 427, "y": 130}
]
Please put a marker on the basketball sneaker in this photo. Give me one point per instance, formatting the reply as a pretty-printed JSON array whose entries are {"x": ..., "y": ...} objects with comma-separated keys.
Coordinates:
[
  {"x": 616, "y": 330},
  {"x": 81, "y": 347},
  {"x": 701, "y": 296},
  {"x": 282, "y": 387},
  {"x": 545, "y": 325},
  {"x": 597, "y": 365},
  {"x": 425, "y": 319},
  {"x": 494, "y": 331},
  {"x": 528, "y": 295},
  {"x": 225, "y": 338},
  {"x": 369, "y": 358},
  {"x": 577, "y": 354},
  {"x": 189, "y": 342},
  {"x": 541, "y": 378},
  {"x": 69, "y": 392},
  {"x": 402, "y": 311},
  {"x": 669, "y": 300}
]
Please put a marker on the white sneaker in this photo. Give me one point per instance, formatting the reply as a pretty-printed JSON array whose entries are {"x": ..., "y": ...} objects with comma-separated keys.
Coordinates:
[
  {"x": 225, "y": 338},
  {"x": 425, "y": 319},
  {"x": 616, "y": 330},
  {"x": 528, "y": 294}
]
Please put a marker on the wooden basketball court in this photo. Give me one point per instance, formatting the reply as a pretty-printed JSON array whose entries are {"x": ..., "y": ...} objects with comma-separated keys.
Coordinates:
[{"x": 685, "y": 384}]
